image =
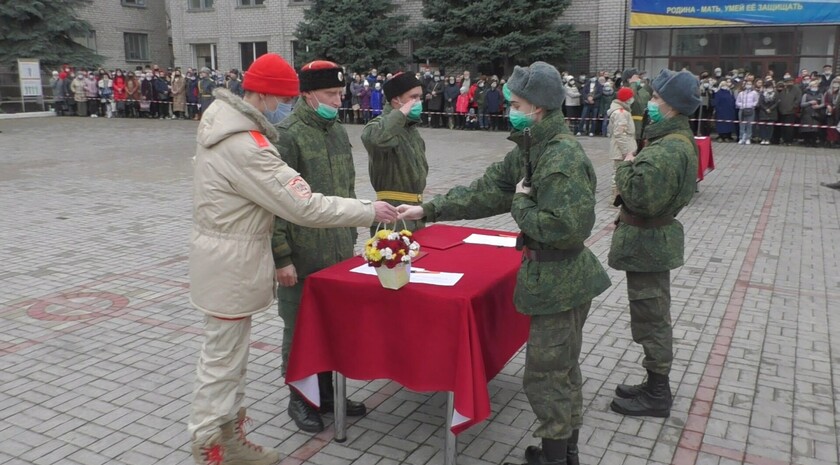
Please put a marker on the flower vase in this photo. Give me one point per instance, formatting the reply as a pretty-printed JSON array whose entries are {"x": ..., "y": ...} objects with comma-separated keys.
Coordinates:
[{"x": 394, "y": 278}]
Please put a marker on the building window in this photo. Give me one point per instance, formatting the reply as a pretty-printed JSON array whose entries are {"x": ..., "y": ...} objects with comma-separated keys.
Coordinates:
[
  {"x": 136, "y": 47},
  {"x": 88, "y": 40},
  {"x": 201, "y": 4},
  {"x": 250, "y": 51},
  {"x": 205, "y": 55},
  {"x": 251, "y": 2},
  {"x": 137, "y": 3}
]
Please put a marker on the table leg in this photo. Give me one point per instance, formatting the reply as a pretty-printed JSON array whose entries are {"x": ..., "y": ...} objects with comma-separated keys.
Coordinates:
[
  {"x": 340, "y": 408},
  {"x": 451, "y": 442}
]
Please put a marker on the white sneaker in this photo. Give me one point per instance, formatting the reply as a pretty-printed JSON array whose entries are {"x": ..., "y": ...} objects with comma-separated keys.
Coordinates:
[
  {"x": 741, "y": 141},
  {"x": 94, "y": 116},
  {"x": 591, "y": 134},
  {"x": 748, "y": 142},
  {"x": 577, "y": 133}
]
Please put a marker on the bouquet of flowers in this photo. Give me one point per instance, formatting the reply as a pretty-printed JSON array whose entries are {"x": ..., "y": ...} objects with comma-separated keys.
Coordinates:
[{"x": 391, "y": 248}]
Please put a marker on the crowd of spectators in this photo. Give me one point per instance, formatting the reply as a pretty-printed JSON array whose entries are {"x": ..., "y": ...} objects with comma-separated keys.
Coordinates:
[{"x": 737, "y": 105}]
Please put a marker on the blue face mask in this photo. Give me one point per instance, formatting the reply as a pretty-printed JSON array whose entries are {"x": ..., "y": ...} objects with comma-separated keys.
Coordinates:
[{"x": 280, "y": 113}]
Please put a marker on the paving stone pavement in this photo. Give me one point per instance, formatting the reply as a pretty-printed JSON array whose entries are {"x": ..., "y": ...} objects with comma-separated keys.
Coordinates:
[{"x": 98, "y": 341}]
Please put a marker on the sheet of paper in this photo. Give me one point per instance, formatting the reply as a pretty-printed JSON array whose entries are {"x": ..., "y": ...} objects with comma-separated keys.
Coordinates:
[
  {"x": 418, "y": 275},
  {"x": 503, "y": 240}
]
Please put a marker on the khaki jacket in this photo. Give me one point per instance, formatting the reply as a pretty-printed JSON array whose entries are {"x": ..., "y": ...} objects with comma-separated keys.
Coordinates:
[
  {"x": 240, "y": 184},
  {"x": 622, "y": 130}
]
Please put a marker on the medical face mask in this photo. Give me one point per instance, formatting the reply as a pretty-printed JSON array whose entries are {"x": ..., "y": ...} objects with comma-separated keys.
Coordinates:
[
  {"x": 326, "y": 111},
  {"x": 280, "y": 113},
  {"x": 521, "y": 120},
  {"x": 653, "y": 112},
  {"x": 416, "y": 110}
]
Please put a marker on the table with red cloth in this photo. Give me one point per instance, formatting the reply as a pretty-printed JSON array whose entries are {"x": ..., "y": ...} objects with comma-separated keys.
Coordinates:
[
  {"x": 705, "y": 159},
  {"x": 425, "y": 337}
]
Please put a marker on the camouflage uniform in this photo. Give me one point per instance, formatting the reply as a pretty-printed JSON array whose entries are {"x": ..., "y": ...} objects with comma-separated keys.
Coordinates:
[
  {"x": 655, "y": 186},
  {"x": 320, "y": 151},
  {"x": 557, "y": 215},
  {"x": 397, "y": 158},
  {"x": 641, "y": 96}
]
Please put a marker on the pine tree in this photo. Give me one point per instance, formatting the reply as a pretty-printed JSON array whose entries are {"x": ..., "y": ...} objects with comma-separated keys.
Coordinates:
[
  {"x": 359, "y": 34},
  {"x": 44, "y": 29},
  {"x": 494, "y": 35}
]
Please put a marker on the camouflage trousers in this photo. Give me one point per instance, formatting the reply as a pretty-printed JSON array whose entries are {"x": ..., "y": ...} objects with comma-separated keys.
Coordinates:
[
  {"x": 650, "y": 318},
  {"x": 552, "y": 379},
  {"x": 288, "y": 303}
]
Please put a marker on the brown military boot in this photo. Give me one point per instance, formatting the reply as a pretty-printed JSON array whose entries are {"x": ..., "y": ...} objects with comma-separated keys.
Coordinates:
[
  {"x": 238, "y": 450},
  {"x": 210, "y": 452}
]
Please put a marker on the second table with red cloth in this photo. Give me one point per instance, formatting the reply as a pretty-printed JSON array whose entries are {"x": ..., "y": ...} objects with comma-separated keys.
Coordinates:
[
  {"x": 705, "y": 158},
  {"x": 425, "y": 337}
]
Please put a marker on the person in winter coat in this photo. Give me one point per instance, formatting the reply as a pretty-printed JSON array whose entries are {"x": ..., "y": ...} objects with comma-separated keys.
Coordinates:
[
  {"x": 813, "y": 113},
  {"x": 192, "y": 95},
  {"x": 120, "y": 93},
  {"x": 376, "y": 100},
  {"x": 832, "y": 101},
  {"x": 59, "y": 88},
  {"x": 790, "y": 99},
  {"x": 133, "y": 95},
  {"x": 364, "y": 101},
  {"x": 724, "y": 104},
  {"x": 450, "y": 98},
  {"x": 240, "y": 185},
  {"x": 622, "y": 130},
  {"x": 608, "y": 94},
  {"x": 590, "y": 96},
  {"x": 78, "y": 88},
  {"x": 206, "y": 84},
  {"x": 493, "y": 104},
  {"x": 92, "y": 95},
  {"x": 106, "y": 95},
  {"x": 571, "y": 106},
  {"x": 746, "y": 101},
  {"x": 179, "y": 95},
  {"x": 478, "y": 102},
  {"x": 768, "y": 112},
  {"x": 147, "y": 95},
  {"x": 356, "y": 88},
  {"x": 462, "y": 106},
  {"x": 434, "y": 101},
  {"x": 160, "y": 105}
]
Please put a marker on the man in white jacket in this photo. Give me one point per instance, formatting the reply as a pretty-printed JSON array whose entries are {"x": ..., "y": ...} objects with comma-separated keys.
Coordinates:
[
  {"x": 240, "y": 184},
  {"x": 622, "y": 130}
]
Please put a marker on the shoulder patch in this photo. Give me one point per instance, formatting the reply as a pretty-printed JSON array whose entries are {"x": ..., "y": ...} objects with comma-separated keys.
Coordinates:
[
  {"x": 300, "y": 188},
  {"x": 260, "y": 139}
]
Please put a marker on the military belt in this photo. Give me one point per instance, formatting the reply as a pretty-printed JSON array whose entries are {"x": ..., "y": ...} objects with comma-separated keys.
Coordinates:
[
  {"x": 551, "y": 255},
  {"x": 399, "y": 196},
  {"x": 645, "y": 223}
]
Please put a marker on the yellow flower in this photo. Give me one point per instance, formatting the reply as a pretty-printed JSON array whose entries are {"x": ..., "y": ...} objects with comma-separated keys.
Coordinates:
[
  {"x": 405, "y": 232},
  {"x": 383, "y": 233}
]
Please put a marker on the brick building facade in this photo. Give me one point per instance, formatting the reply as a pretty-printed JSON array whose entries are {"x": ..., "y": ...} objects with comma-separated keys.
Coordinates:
[
  {"x": 128, "y": 33},
  {"x": 225, "y": 34}
]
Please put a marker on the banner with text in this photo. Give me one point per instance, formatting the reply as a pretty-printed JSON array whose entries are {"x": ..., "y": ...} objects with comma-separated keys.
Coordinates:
[{"x": 699, "y": 13}]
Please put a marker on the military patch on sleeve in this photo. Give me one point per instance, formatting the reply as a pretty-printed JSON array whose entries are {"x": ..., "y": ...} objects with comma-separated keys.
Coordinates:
[
  {"x": 300, "y": 188},
  {"x": 260, "y": 139}
]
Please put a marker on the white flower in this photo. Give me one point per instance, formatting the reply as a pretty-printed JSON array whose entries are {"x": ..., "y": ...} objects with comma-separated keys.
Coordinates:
[
  {"x": 388, "y": 253},
  {"x": 405, "y": 259},
  {"x": 414, "y": 246},
  {"x": 407, "y": 241},
  {"x": 393, "y": 236}
]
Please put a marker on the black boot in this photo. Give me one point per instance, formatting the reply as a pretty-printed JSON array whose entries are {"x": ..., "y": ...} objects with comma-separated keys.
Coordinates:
[
  {"x": 629, "y": 391},
  {"x": 305, "y": 416},
  {"x": 833, "y": 185},
  {"x": 533, "y": 453},
  {"x": 325, "y": 385},
  {"x": 654, "y": 400},
  {"x": 553, "y": 452}
]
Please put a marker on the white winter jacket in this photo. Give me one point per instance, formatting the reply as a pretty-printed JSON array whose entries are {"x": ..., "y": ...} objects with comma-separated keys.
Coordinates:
[{"x": 240, "y": 184}]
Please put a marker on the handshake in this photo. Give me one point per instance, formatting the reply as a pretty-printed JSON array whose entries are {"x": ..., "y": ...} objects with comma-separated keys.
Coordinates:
[{"x": 387, "y": 213}]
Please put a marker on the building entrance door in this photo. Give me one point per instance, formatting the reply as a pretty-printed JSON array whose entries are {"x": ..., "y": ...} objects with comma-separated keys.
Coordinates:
[{"x": 761, "y": 66}]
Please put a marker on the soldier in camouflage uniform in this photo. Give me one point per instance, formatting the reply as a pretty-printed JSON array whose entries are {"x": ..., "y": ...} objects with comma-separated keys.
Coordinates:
[
  {"x": 312, "y": 142},
  {"x": 559, "y": 275},
  {"x": 396, "y": 151},
  {"x": 653, "y": 187},
  {"x": 630, "y": 79}
]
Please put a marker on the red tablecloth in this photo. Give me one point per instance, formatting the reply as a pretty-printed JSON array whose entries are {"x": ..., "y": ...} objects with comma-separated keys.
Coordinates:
[
  {"x": 425, "y": 337},
  {"x": 706, "y": 161}
]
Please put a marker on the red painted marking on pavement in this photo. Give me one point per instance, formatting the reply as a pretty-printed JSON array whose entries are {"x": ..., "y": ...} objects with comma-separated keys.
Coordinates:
[
  {"x": 691, "y": 440},
  {"x": 50, "y": 309},
  {"x": 600, "y": 234},
  {"x": 740, "y": 456}
]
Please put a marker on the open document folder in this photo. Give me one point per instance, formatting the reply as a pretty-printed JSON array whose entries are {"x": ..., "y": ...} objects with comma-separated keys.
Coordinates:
[
  {"x": 418, "y": 275},
  {"x": 501, "y": 240}
]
